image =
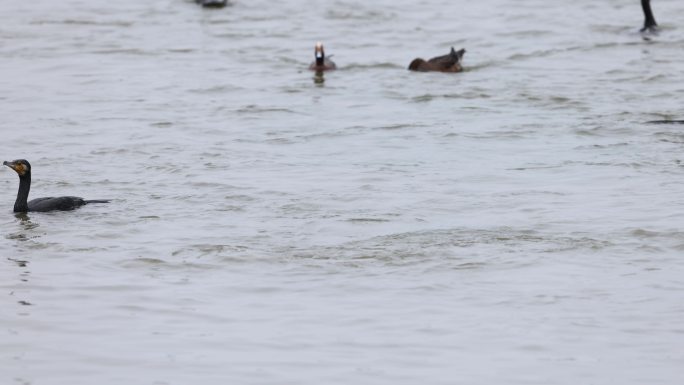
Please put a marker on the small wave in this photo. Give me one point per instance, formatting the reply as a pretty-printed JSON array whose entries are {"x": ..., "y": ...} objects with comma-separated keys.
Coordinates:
[
  {"x": 252, "y": 109},
  {"x": 472, "y": 246},
  {"x": 212, "y": 90},
  {"x": 670, "y": 137},
  {"x": 665, "y": 121},
  {"x": 657, "y": 240},
  {"x": 393, "y": 127},
  {"x": 181, "y": 50},
  {"x": 536, "y": 33},
  {"x": 367, "y": 220},
  {"x": 161, "y": 124},
  {"x": 602, "y": 146},
  {"x": 159, "y": 264},
  {"x": 465, "y": 95},
  {"x": 576, "y": 48},
  {"x": 125, "y": 51},
  {"x": 535, "y": 54},
  {"x": 85, "y": 22},
  {"x": 383, "y": 65},
  {"x": 222, "y": 251},
  {"x": 359, "y": 15}
]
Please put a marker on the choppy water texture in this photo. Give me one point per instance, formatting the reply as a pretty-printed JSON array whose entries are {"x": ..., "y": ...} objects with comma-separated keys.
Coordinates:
[{"x": 518, "y": 223}]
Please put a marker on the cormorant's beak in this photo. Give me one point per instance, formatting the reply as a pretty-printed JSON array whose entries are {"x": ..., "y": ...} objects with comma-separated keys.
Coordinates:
[{"x": 9, "y": 164}]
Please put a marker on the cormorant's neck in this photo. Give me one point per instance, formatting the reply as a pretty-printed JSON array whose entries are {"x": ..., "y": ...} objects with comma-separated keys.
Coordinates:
[
  {"x": 649, "y": 20},
  {"x": 320, "y": 60},
  {"x": 21, "y": 204}
]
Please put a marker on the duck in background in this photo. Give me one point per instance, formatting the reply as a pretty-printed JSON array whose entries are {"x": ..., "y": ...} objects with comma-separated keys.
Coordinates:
[
  {"x": 321, "y": 63},
  {"x": 446, "y": 63}
]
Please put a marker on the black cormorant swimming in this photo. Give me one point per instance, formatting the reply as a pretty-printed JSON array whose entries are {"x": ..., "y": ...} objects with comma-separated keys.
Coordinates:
[
  {"x": 23, "y": 169},
  {"x": 450, "y": 62}
]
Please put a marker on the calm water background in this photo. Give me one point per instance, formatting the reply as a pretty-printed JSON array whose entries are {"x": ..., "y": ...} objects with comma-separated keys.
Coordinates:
[{"x": 519, "y": 223}]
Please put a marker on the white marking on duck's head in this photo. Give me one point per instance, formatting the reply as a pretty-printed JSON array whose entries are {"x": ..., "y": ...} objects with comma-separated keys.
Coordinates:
[{"x": 319, "y": 50}]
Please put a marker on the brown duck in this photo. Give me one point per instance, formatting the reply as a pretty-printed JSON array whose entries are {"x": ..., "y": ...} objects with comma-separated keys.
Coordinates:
[
  {"x": 321, "y": 63},
  {"x": 447, "y": 63}
]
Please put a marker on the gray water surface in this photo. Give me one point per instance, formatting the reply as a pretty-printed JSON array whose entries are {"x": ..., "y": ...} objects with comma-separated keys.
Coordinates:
[{"x": 517, "y": 223}]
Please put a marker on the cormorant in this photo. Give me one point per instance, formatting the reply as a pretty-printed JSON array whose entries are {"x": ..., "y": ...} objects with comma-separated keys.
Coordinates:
[
  {"x": 321, "y": 63},
  {"x": 446, "y": 63},
  {"x": 650, "y": 24},
  {"x": 23, "y": 169}
]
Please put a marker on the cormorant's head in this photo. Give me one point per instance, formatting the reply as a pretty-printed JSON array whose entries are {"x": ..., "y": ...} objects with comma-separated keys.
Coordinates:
[
  {"x": 21, "y": 166},
  {"x": 319, "y": 51}
]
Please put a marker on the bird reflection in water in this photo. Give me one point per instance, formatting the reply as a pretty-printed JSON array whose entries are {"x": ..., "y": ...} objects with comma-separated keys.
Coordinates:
[
  {"x": 24, "y": 228},
  {"x": 23, "y": 276},
  {"x": 319, "y": 78},
  {"x": 24, "y": 219},
  {"x": 25, "y": 225}
]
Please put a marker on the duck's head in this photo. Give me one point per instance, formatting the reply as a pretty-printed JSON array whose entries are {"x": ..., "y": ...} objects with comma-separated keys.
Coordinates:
[
  {"x": 21, "y": 166},
  {"x": 318, "y": 51},
  {"x": 458, "y": 55}
]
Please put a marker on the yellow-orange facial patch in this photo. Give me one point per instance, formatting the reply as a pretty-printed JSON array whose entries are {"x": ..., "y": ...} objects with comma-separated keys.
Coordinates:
[{"x": 19, "y": 168}]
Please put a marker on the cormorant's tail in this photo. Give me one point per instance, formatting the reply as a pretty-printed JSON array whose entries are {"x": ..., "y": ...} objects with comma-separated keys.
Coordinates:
[{"x": 99, "y": 201}]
